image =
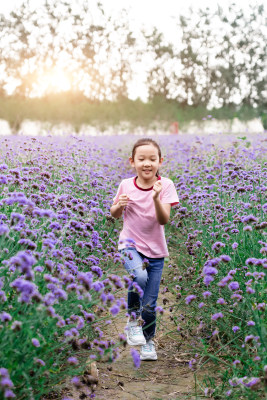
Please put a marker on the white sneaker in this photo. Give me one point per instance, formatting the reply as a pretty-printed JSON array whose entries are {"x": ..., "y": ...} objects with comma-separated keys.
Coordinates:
[
  {"x": 148, "y": 351},
  {"x": 134, "y": 334}
]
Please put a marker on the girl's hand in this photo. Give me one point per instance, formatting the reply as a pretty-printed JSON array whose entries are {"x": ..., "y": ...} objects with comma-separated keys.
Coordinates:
[
  {"x": 123, "y": 200},
  {"x": 157, "y": 188}
]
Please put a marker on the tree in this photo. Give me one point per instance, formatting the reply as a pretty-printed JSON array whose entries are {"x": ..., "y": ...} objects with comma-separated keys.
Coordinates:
[
  {"x": 160, "y": 71},
  {"x": 242, "y": 58},
  {"x": 94, "y": 51},
  {"x": 223, "y": 57}
]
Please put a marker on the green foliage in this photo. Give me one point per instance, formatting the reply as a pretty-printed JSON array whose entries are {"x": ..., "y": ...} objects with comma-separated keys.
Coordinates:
[
  {"x": 78, "y": 110},
  {"x": 201, "y": 222},
  {"x": 222, "y": 198}
]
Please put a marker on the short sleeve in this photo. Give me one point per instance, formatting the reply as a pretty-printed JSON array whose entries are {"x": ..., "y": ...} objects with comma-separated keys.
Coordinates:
[
  {"x": 170, "y": 195},
  {"x": 119, "y": 192}
]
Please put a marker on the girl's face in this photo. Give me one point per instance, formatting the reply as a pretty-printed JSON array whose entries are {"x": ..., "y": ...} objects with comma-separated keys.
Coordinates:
[{"x": 146, "y": 161}]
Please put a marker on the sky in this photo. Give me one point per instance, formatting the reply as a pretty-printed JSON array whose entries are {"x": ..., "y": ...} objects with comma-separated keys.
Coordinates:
[{"x": 161, "y": 13}]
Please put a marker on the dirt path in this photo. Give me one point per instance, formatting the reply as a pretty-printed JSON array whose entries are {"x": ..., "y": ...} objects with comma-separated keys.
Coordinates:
[{"x": 165, "y": 379}]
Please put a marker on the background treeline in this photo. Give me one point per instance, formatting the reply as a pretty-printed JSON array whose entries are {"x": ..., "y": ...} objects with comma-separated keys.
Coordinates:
[
  {"x": 77, "y": 111},
  {"x": 217, "y": 60}
]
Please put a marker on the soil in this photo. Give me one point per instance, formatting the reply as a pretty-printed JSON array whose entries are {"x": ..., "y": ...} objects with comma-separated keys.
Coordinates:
[{"x": 167, "y": 378}]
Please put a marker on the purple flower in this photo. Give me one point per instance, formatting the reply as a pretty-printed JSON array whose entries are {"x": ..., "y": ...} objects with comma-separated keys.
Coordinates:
[
  {"x": 216, "y": 246},
  {"x": 224, "y": 281},
  {"x": 208, "y": 279},
  {"x": 16, "y": 326},
  {"x": 234, "y": 245},
  {"x": 95, "y": 238},
  {"x": 3, "y": 297},
  {"x": 98, "y": 271},
  {"x": 236, "y": 362},
  {"x": 4, "y": 372},
  {"x": 225, "y": 258},
  {"x": 221, "y": 301},
  {"x": 206, "y": 294},
  {"x": 4, "y": 316},
  {"x": 80, "y": 323},
  {"x": 76, "y": 381},
  {"x": 256, "y": 358},
  {"x": 191, "y": 363},
  {"x": 6, "y": 382},
  {"x": 138, "y": 289},
  {"x": 114, "y": 310},
  {"x": 261, "y": 306},
  {"x": 209, "y": 270},
  {"x": 251, "y": 323},
  {"x": 3, "y": 166},
  {"x": 252, "y": 382},
  {"x": 24, "y": 262},
  {"x": 16, "y": 218},
  {"x": 136, "y": 358},
  {"x": 234, "y": 231},
  {"x": 232, "y": 272},
  {"x": 122, "y": 337},
  {"x": 4, "y": 229},
  {"x": 39, "y": 361},
  {"x": 214, "y": 317},
  {"x": 127, "y": 281},
  {"x": 237, "y": 296},
  {"x": 129, "y": 242},
  {"x": 249, "y": 338},
  {"x": 201, "y": 305},
  {"x": 36, "y": 342},
  {"x": 250, "y": 290},
  {"x": 251, "y": 261},
  {"x": 235, "y": 329},
  {"x": 190, "y": 298},
  {"x": 8, "y": 394},
  {"x": 97, "y": 286},
  {"x": 249, "y": 218},
  {"x": 72, "y": 361},
  {"x": 233, "y": 285}
]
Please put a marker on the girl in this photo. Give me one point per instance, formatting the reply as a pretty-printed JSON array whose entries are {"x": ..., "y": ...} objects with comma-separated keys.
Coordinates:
[{"x": 145, "y": 202}]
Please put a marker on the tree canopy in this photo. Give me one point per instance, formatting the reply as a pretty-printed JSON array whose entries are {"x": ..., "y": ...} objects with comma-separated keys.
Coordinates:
[{"x": 218, "y": 57}]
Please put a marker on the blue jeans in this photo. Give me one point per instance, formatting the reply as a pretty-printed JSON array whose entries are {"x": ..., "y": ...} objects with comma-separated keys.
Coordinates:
[{"x": 149, "y": 281}]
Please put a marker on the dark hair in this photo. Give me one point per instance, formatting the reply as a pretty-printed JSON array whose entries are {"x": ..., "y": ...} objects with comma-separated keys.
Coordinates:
[{"x": 142, "y": 142}]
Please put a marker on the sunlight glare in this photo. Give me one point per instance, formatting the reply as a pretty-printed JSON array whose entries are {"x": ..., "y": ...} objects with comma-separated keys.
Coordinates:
[{"x": 55, "y": 81}]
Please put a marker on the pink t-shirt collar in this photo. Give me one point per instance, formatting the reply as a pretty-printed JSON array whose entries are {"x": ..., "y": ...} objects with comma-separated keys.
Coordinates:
[{"x": 138, "y": 187}]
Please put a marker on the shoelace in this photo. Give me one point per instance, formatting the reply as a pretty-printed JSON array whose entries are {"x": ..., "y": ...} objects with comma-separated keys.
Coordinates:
[
  {"x": 148, "y": 347},
  {"x": 136, "y": 330}
]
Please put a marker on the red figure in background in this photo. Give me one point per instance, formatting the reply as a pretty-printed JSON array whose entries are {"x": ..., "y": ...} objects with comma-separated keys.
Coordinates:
[{"x": 174, "y": 128}]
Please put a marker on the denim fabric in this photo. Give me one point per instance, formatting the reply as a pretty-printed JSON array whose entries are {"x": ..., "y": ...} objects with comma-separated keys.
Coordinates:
[{"x": 149, "y": 281}]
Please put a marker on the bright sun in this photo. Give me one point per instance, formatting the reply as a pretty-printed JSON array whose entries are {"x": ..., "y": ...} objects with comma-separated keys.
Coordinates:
[{"x": 54, "y": 81}]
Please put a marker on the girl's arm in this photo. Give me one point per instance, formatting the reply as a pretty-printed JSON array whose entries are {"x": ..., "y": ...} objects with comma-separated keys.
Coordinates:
[
  {"x": 162, "y": 211},
  {"x": 117, "y": 209}
]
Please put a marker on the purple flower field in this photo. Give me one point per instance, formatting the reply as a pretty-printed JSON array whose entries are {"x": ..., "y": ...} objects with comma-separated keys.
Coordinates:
[{"x": 60, "y": 272}]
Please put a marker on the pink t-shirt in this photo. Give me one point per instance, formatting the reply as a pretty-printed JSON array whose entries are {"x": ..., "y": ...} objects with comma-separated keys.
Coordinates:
[{"x": 139, "y": 217}]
